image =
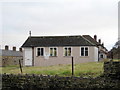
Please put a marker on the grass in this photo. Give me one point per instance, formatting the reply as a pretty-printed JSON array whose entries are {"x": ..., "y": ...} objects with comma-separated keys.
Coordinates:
[{"x": 84, "y": 69}]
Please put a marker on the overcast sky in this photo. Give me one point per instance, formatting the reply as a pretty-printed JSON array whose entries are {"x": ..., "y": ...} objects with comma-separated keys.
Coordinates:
[{"x": 58, "y": 17}]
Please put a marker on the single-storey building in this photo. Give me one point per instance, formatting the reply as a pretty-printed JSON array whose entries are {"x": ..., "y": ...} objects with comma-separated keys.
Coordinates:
[{"x": 54, "y": 50}]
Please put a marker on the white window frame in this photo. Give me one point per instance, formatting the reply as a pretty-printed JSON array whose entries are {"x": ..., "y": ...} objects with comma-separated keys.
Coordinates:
[
  {"x": 84, "y": 51},
  {"x": 53, "y": 51},
  {"x": 64, "y": 51},
  {"x": 37, "y": 51}
]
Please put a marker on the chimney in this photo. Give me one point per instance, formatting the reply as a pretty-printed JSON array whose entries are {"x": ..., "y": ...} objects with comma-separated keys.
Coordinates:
[
  {"x": 103, "y": 44},
  {"x": 95, "y": 37},
  {"x": 6, "y": 47},
  {"x": 20, "y": 49},
  {"x": 99, "y": 41},
  {"x": 14, "y": 48}
]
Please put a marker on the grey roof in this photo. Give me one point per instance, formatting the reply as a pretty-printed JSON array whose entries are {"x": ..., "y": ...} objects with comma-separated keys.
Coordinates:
[
  {"x": 88, "y": 37},
  {"x": 47, "y": 41},
  {"x": 10, "y": 53},
  {"x": 92, "y": 40}
]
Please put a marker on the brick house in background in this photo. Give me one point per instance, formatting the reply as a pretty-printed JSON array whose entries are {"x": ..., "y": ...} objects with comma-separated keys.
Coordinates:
[
  {"x": 10, "y": 57},
  {"x": 53, "y": 50}
]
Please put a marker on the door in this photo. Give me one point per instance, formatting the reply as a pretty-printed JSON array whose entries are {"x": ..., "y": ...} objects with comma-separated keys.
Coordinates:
[{"x": 28, "y": 56}]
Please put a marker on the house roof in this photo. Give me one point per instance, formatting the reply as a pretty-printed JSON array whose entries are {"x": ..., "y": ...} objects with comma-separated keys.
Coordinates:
[
  {"x": 91, "y": 39},
  {"x": 47, "y": 41},
  {"x": 10, "y": 53}
]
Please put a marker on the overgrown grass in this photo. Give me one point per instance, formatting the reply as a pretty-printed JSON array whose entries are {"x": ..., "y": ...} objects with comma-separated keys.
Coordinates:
[{"x": 84, "y": 69}]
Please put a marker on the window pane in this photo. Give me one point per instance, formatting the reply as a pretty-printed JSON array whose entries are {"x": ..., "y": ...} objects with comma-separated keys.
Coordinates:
[
  {"x": 86, "y": 51},
  {"x": 65, "y": 51},
  {"x": 101, "y": 56},
  {"x": 51, "y": 51},
  {"x": 55, "y": 48},
  {"x": 69, "y": 51},
  {"x": 38, "y": 51},
  {"x": 82, "y": 51},
  {"x": 55, "y": 51},
  {"x": 42, "y": 51}
]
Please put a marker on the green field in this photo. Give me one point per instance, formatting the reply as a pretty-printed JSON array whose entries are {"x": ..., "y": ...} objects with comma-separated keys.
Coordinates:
[{"x": 84, "y": 69}]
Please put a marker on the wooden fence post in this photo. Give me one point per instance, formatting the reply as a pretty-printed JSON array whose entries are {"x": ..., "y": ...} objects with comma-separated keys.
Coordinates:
[
  {"x": 20, "y": 66},
  {"x": 72, "y": 67}
]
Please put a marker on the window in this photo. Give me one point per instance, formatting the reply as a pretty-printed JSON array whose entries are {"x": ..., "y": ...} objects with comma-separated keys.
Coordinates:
[
  {"x": 101, "y": 56},
  {"x": 53, "y": 51},
  {"x": 84, "y": 51},
  {"x": 40, "y": 51},
  {"x": 67, "y": 51}
]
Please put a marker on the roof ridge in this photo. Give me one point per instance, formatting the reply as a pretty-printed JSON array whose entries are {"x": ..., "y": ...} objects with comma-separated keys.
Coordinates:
[{"x": 58, "y": 36}]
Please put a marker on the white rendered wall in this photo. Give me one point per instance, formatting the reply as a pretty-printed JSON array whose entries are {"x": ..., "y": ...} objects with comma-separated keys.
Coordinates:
[{"x": 95, "y": 54}]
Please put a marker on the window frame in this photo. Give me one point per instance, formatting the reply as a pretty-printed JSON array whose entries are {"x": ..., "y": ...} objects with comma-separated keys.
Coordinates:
[
  {"x": 67, "y": 51},
  {"x": 40, "y": 53},
  {"x": 53, "y": 51},
  {"x": 84, "y": 54}
]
